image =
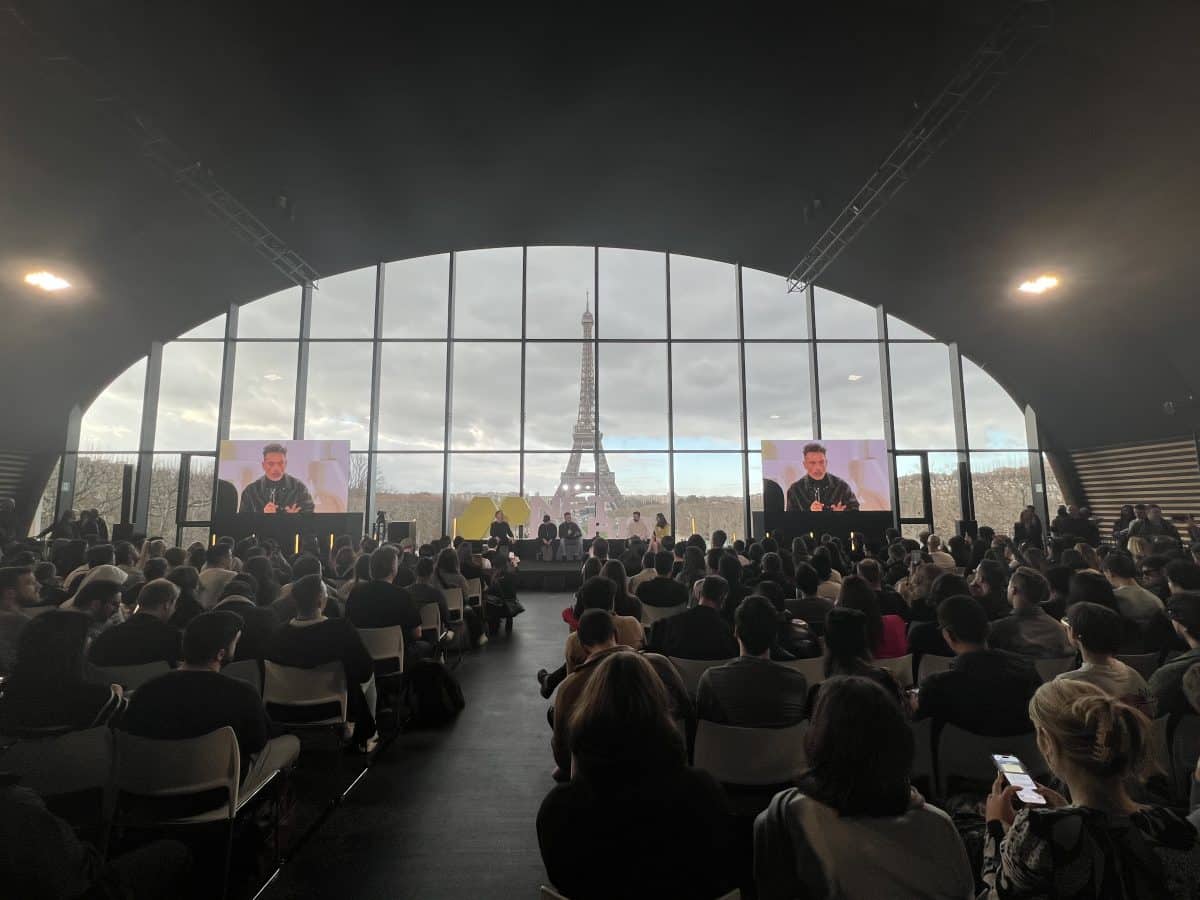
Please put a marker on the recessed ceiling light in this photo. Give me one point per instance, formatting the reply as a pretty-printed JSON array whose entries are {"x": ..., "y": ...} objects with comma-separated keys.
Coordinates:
[
  {"x": 1039, "y": 285},
  {"x": 47, "y": 281},
  {"x": 854, "y": 378}
]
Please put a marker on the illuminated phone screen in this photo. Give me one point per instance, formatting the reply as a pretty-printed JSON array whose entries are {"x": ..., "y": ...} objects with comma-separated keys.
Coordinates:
[{"x": 1014, "y": 773}]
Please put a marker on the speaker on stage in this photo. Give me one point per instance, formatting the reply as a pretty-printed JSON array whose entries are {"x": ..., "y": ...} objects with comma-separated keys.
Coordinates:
[
  {"x": 398, "y": 531},
  {"x": 967, "y": 528}
]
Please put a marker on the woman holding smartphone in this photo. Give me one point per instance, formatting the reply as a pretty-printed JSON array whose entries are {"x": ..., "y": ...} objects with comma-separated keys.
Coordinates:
[{"x": 1102, "y": 843}]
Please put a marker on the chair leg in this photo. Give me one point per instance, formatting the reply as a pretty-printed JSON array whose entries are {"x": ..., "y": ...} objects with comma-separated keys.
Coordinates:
[{"x": 228, "y": 861}]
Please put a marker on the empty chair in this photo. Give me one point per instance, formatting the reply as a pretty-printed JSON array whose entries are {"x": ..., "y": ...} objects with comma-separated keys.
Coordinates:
[
  {"x": 300, "y": 697},
  {"x": 812, "y": 669},
  {"x": 962, "y": 754},
  {"x": 690, "y": 670},
  {"x": 72, "y": 772},
  {"x": 1145, "y": 664},
  {"x": 750, "y": 757},
  {"x": 931, "y": 663},
  {"x": 901, "y": 668},
  {"x": 386, "y": 646},
  {"x": 1049, "y": 669},
  {"x": 130, "y": 677},
  {"x": 651, "y": 614},
  {"x": 247, "y": 670}
]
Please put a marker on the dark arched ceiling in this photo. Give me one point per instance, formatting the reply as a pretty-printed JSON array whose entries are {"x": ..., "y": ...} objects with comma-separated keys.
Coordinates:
[{"x": 397, "y": 134}]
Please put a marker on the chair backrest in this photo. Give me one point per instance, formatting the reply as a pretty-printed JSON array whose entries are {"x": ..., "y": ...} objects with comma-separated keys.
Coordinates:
[
  {"x": 34, "y": 611},
  {"x": 922, "y": 732},
  {"x": 549, "y": 893},
  {"x": 474, "y": 588},
  {"x": 180, "y": 769},
  {"x": 1145, "y": 664},
  {"x": 651, "y": 614},
  {"x": 963, "y": 754},
  {"x": 750, "y": 756},
  {"x": 295, "y": 687},
  {"x": 931, "y": 663},
  {"x": 1185, "y": 749},
  {"x": 62, "y": 764},
  {"x": 690, "y": 670},
  {"x": 901, "y": 668},
  {"x": 431, "y": 617},
  {"x": 454, "y": 602},
  {"x": 385, "y": 643},
  {"x": 130, "y": 677},
  {"x": 246, "y": 670},
  {"x": 813, "y": 670},
  {"x": 1050, "y": 669}
]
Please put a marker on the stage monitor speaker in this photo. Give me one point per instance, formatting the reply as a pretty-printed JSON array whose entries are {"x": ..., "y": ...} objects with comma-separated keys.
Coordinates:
[
  {"x": 967, "y": 528},
  {"x": 399, "y": 531}
]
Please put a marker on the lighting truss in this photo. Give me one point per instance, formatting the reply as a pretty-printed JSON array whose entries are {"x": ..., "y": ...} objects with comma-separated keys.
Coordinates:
[
  {"x": 189, "y": 174},
  {"x": 1021, "y": 29}
]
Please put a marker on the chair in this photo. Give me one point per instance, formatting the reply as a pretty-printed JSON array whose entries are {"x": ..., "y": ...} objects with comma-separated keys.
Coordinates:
[
  {"x": 1145, "y": 664},
  {"x": 431, "y": 617},
  {"x": 1050, "y": 669},
  {"x": 247, "y": 670},
  {"x": 922, "y": 731},
  {"x": 750, "y": 757},
  {"x": 901, "y": 668},
  {"x": 965, "y": 755},
  {"x": 1160, "y": 746},
  {"x": 34, "y": 611},
  {"x": 813, "y": 670},
  {"x": 474, "y": 590},
  {"x": 690, "y": 670},
  {"x": 651, "y": 614},
  {"x": 454, "y": 603},
  {"x": 130, "y": 677},
  {"x": 1185, "y": 749},
  {"x": 72, "y": 772},
  {"x": 386, "y": 646},
  {"x": 931, "y": 664},
  {"x": 298, "y": 697}
]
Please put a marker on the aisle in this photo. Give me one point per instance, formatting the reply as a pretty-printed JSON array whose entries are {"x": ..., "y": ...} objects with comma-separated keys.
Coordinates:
[{"x": 450, "y": 813}]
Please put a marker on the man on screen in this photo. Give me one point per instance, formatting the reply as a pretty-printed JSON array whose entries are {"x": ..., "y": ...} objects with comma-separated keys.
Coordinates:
[
  {"x": 818, "y": 490},
  {"x": 276, "y": 491}
]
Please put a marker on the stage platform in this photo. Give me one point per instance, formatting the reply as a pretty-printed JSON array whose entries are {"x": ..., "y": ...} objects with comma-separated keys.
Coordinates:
[{"x": 535, "y": 575}]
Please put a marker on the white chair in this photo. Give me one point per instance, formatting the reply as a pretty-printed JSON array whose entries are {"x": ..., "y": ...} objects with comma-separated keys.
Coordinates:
[
  {"x": 474, "y": 590},
  {"x": 68, "y": 771},
  {"x": 690, "y": 670},
  {"x": 813, "y": 670},
  {"x": 651, "y": 614},
  {"x": 454, "y": 603},
  {"x": 386, "y": 646},
  {"x": 1145, "y": 664},
  {"x": 246, "y": 670},
  {"x": 900, "y": 667},
  {"x": 751, "y": 757},
  {"x": 962, "y": 754},
  {"x": 291, "y": 694},
  {"x": 130, "y": 677},
  {"x": 431, "y": 617},
  {"x": 1050, "y": 669},
  {"x": 931, "y": 664}
]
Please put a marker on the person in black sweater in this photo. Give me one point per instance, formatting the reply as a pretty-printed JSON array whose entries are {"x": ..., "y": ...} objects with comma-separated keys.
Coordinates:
[
  {"x": 662, "y": 590},
  {"x": 502, "y": 532},
  {"x": 197, "y": 699},
  {"x": 700, "y": 632},
  {"x": 379, "y": 603},
  {"x": 548, "y": 538},
  {"x": 258, "y": 622},
  {"x": 146, "y": 636},
  {"x": 310, "y": 640}
]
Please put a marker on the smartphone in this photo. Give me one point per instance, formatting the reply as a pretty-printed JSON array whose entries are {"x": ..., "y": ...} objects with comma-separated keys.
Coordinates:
[{"x": 1015, "y": 774}]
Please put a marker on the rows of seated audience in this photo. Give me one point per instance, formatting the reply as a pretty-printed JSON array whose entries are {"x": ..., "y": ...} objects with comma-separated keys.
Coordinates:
[
  {"x": 194, "y": 612},
  {"x": 1087, "y": 655}
]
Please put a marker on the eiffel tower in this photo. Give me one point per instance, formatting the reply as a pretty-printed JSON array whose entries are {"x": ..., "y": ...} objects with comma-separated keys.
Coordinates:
[{"x": 586, "y": 492}]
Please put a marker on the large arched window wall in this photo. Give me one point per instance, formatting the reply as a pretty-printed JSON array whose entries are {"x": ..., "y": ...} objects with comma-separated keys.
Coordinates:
[{"x": 458, "y": 374}]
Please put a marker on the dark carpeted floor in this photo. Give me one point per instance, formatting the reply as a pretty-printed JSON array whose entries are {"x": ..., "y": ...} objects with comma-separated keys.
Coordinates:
[{"x": 450, "y": 813}]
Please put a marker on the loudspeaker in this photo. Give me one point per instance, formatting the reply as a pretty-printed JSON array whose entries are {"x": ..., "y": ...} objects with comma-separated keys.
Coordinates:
[
  {"x": 122, "y": 531},
  {"x": 398, "y": 531},
  {"x": 967, "y": 528}
]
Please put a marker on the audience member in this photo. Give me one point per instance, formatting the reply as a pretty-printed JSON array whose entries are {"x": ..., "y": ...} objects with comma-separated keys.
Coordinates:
[
  {"x": 18, "y": 592},
  {"x": 989, "y": 588},
  {"x": 808, "y": 605},
  {"x": 187, "y": 607},
  {"x": 831, "y": 580},
  {"x": 645, "y": 574},
  {"x": 1028, "y": 629},
  {"x": 890, "y": 602},
  {"x": 925, "y": 635},
  {"x": 885, "y": 634},
  {"x": 1133, "y": 601},
  {"x": 1096, "y": 632},
  {"x": 379, "y": 603},
  {"x": 699, "y": 632},
  {"x": 1154, "y": 577},
  {"x": 217, "y": 572},
  {"x": 145, "y": 637},
  {"x": 625, "y": 603},
  {"x": 1166, "y": 684},
  {"x": 1182, "y": 575},
  {"x": 600, "y": 593},
  {"x": 423, "y": 590},
  {"x": 693, "y": 567},
  {"x": 937, "y": 555},
  {"x": 662, "y": 591},
  {"x": 259, "y": 623},
  {"x": 268, "y": 581},
  {"x": 847, "y": 652},
  {"x": 98, "y": 600}
]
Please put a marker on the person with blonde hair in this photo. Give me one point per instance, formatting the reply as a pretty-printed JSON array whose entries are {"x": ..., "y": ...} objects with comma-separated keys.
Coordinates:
[
  {"x": 1102, "y": 843},
  {"x": 1139, "y": 548}
]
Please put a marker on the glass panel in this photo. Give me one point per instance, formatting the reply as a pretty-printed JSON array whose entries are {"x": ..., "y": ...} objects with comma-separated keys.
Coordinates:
[
  {"x": 339, "y": 393},
  {"x": 200, "y": 488},
  {"x": 193, "y": 535},
  {"x": 633, "y": 294},
  {"x": 343, "y": 306},
  {"x": 487, "y": 293},
  {"x": 358, "y": 486},
  {"x": 552, "y": 395},
  {"x": 264, "y": 390},
  {"x": 493, "y": 475},
  {"x": 633, "y": 396},
  {"x": 644, "y": 481},
  {"x": 415, "y": 292},
  {"x": 188, "y": 395},
  {"x": 412, "y": 397},
  {"x": 703, "y": 299},
  {"x": 756, "y": 491},
  {"x": 47, "y": 501},
  {"x": 164, "y": 496},
  {"x": 114, "y": 420},
  {"x": 708, "y": 494},
  {"x": 558, "y": 284},
  {"x": 99, "y": 478},
  {"x": 487, "y": 397},
  {"x": 898, "y": 329},
  {"x": 922, "y": 404},
  {"x": 851, "y": 404},
  {"x": 994, "y": 421},
  {"x": 768, "y": 310},
  {"x": 213, "y": 329},
  {"x": 1054, "y": 494},
  {"x": 705, "y": 393},
  {"x": 1000, "y": 482},
  {"x": 908, "y": 477},
  {"x": 945, "y": 486},
  {"x": 408, "y": 487},
  {"x": 543, "y": 473},
  {"x": 778, "y": 396},
  {"x": 838, "y": 316},
  {"x": 274, "y": 316}
]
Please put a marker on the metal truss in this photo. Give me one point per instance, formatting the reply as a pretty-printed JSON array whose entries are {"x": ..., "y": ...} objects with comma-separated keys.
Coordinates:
[{"x": 1005, "y": 47}]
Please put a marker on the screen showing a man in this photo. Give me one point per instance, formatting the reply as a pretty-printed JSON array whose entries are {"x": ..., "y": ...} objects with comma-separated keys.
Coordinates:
[
  {"x": 819, "y": 490},
  {"x": 276, "y": 491}
]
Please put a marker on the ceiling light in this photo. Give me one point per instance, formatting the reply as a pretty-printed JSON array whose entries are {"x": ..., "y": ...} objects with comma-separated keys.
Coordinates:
[
  {"x": 1039, "y": 285},
  {"x": 855, "y": 378},
  {"x": 47, "y": 281}
]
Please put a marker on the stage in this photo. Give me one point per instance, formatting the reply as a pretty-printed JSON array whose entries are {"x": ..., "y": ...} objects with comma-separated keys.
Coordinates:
[{"x": 561, "y": 575}]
